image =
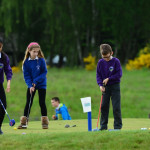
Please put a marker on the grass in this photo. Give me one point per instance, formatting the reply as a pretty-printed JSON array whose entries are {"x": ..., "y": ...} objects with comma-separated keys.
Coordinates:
[
  {"x": 72, "y": 84},
  {"x": 58, "y": 137}
]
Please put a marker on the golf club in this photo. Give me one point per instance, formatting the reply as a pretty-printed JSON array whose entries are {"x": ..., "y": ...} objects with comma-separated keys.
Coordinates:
[
  {"x": 25, "y": 126},
  {"x": 68, "y": 126},
  {"x": 11, "y": 121},
  {"x": 99, "y": 114},
  {"x": 99, "y": 110},
  {"x": 29, "y": 107}
]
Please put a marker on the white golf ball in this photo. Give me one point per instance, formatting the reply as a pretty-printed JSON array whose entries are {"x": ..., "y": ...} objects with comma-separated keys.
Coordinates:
[
  {"x": 143, "y": 128},
  {"x": 23, "y": 133}
]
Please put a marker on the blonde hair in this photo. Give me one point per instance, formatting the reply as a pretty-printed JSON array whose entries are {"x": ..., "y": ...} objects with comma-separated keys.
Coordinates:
[{"x": 27, "y": 54}]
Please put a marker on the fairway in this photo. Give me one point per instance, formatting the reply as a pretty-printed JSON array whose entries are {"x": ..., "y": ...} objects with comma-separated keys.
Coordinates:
[
  {"x": 135, "y": 110},
  {"x": 57, "y": 136},
  {"x": 81, "y": 126}
]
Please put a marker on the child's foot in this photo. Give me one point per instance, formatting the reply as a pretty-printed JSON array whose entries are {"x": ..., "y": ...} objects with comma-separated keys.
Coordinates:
[
  {"x": 1, "y": 131},
  {"x": 101, "y": 129},
  {"x": 23, "y": 122},
  {"x": 22, "y": 127}
]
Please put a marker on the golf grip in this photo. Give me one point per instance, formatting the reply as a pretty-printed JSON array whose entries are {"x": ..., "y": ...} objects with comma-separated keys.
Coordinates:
[{"x": 99, "y": 110}]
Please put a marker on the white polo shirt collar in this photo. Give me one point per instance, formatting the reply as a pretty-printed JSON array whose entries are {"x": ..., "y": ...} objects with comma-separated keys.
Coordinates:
[{"x": 33, "y": 59}]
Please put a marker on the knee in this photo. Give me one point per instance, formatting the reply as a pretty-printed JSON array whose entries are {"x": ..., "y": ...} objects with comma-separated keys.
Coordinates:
[
  {"x": 117, "y": 110},
  {"x": 42, "y": 104}
]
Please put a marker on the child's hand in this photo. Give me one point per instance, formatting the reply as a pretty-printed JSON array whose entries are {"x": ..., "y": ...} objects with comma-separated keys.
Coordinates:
[
  {"x": 8, "y": 86},
  {"x": 32, "y": 90},
  {"x": 54, "y": 117},
  {"x": 105, "y": 81},
  {"x": 8, "y": 89},
  {"x": 33, "y": 85},
  {"x": 102, "y": 88}
]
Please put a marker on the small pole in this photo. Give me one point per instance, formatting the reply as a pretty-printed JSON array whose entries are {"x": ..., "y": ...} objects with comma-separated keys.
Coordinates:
[{"x": 89, "y": 122}]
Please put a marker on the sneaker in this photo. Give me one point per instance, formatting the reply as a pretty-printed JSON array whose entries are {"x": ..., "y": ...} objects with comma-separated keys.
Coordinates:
[
  {"x": 117, "y": 128},
  {"x": 114, "y": 129},
  {"x": 1, "y": 131},
  {"x": 101, "y": 129}
]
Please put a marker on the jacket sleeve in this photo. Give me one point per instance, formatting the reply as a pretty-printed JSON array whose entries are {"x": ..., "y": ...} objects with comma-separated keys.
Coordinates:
[
  {"x": 118, "y": 72},
  {"x": 42, "y": 76},
  {"x": 27, "y": 76},
  {"x": 98, "y": 75},
  {"x": 8, "y": 70},
  {"x": 64, "y": 113}
]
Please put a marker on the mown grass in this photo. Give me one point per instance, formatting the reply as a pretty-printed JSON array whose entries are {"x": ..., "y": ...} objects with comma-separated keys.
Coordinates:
[
  {"x": 58, "y": 137},
  {"x": 72, "y": 84}
]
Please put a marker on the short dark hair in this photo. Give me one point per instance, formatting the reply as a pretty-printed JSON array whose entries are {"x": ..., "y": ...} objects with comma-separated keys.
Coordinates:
[
  {"x": 105, "y": 49},
  {"x": 1, "y": 40},
  {"x": 56, "y": 99}
]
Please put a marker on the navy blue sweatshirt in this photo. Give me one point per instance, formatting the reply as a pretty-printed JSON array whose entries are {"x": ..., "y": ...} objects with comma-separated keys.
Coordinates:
[
  {"x": 35, "y": 71},
  {"x": 108, "y": 69}
]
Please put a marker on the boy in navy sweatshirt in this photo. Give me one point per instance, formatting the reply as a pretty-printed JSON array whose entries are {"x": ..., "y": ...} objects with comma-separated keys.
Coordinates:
[
  {"x": 109, "y": 72},
  {"x": 4, "y": 68}
]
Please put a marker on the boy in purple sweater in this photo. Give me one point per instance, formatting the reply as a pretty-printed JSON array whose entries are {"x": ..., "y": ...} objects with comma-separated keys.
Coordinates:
[
  {"x": 4, "y": 68},
  {"x": 108, "y": 73}
]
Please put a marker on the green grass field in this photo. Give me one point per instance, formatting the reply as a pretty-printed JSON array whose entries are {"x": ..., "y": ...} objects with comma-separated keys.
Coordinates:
[
  {"x": 59, "y": 137},
  {"x": 71, "y": 85}
]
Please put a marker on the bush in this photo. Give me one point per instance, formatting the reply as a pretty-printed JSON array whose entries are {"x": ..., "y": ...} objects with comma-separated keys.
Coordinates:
[
  {"x": 142, "y": 61},
  {"x": 90, "y": 62}
]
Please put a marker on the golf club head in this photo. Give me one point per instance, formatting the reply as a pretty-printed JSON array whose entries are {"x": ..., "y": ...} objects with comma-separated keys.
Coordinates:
[
  {"x": 96, "y": 129},
  {"x": 12, "y": 122},
  {"x": 67, "y": 126}
]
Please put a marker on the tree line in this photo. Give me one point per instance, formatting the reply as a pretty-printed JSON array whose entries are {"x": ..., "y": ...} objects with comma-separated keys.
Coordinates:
[{"x": 75, "y": 28}]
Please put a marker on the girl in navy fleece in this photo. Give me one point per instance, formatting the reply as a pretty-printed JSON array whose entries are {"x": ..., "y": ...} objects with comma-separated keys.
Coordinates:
[
  {"x": 4, "y": 67},
  {"x": 34, "y": 71},
  {"x": 108, "y": 73}
]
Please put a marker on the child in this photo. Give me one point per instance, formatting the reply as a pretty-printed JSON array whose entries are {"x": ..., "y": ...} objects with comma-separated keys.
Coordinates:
[
  {"x": 109, "y": 73},
  {"x": 61, "y": 110},
  {"x": 4, "y": 67},
  {"x": 34, "y": 71}
]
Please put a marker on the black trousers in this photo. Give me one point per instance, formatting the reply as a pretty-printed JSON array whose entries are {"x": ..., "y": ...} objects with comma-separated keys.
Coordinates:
[
  {"x": 113, "y": 92},
  {"x": 42, "y": 95},
  {"x": 3, "y": 99}
]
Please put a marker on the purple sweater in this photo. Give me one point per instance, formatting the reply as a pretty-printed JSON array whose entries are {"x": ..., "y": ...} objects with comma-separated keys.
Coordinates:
[
  {"x": 5, "y": 68},
  {"x": 108, "y": 69}
]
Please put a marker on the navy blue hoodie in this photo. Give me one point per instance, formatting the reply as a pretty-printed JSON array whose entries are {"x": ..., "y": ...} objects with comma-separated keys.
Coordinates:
[{"x": 35, "y": 71}]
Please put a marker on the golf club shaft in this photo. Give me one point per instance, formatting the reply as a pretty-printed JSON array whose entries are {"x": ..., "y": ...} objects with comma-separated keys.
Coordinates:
[
  {"x": 5, "y": 110},
  {"x": 29, "y": 106},
  {"x": 99, "y": 110}
]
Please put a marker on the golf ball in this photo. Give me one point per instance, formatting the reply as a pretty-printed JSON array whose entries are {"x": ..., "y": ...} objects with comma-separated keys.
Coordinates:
[
  {"x": 149, "y": 128},
  {"x": 15, "y": 128},
  {"x": 23, "y": 133},
  {"x": 143, "y": 128}
]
